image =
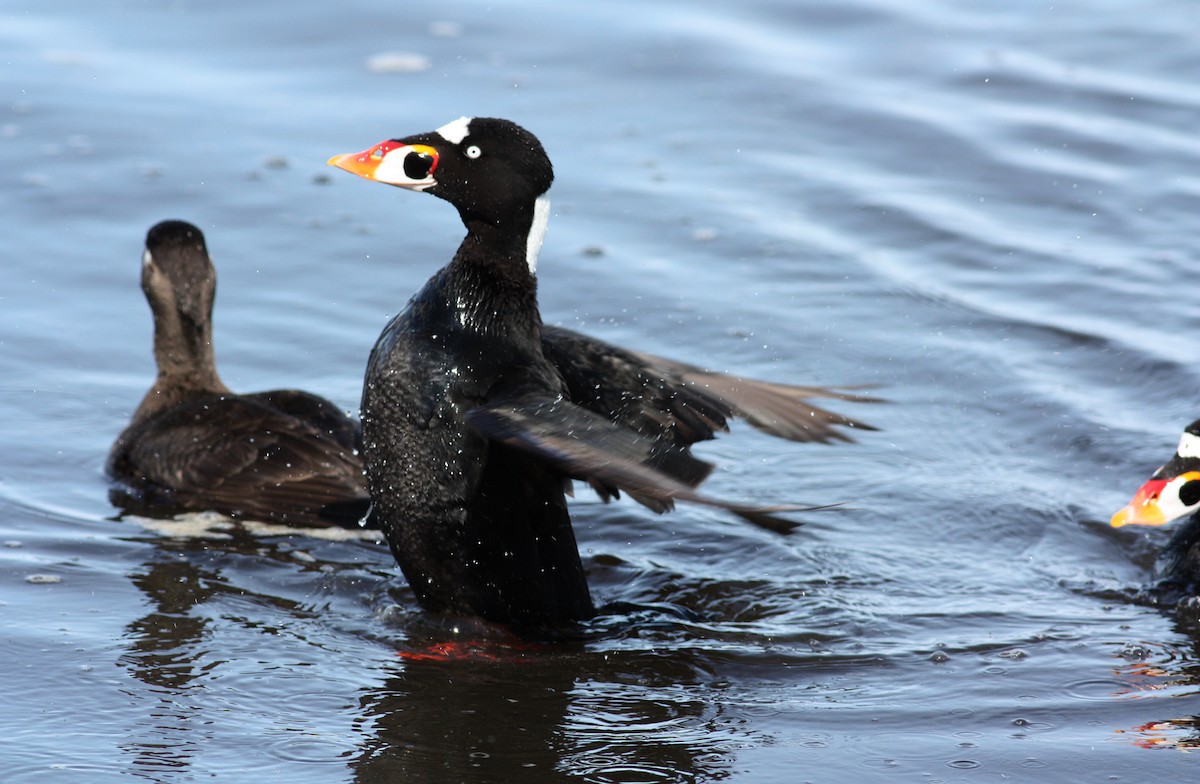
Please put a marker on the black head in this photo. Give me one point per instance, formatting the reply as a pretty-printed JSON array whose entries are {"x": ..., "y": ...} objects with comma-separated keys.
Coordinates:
[{"x": 490, "y": 169}]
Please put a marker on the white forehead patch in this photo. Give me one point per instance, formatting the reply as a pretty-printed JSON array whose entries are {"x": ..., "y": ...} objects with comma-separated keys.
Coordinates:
[
  {"x": 147, "y": 259},
  {"x": 454, "y": 132},
  {"x": 1189, "y": 446}
]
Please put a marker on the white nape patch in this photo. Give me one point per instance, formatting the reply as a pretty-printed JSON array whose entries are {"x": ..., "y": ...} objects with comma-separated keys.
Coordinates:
[
  {"x": 147, "y": 259},
  {"x": 537, "y": 232},
  {"x": 454, "y": 132},
  {"x": 1189, "y": 446}
]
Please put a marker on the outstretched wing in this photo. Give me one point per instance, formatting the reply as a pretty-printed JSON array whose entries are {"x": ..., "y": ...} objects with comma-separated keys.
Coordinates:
[
  {"x": 685, "y": 403},
  {"x": 585, "y": 445}
]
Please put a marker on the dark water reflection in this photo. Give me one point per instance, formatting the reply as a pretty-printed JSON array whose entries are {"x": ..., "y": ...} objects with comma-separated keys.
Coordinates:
[
  {"x": 439, "y": 722},
  {"x": 163, "y": 652},
  {"x": 451, "y": 706},
  {"x": 642, "y": 698},
  {"x": 508, "y": 721},
  {"x": 988, "y": 210}
]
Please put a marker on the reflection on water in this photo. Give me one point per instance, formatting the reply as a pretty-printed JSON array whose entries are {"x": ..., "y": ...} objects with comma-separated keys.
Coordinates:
[
  {"x": 465, "y": 721},
  {"x": 629, "y": 703},
  {"x": 164, "y": 647},
  {"x": 496, "y": 709},
  {"x": 1169, "y": 671}
]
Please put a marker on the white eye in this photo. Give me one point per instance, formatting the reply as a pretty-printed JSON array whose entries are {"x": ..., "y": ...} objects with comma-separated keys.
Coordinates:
[{"x": 473, "y": 151}]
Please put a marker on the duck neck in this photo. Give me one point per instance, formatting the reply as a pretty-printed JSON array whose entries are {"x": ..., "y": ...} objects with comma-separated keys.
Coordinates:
[
  {"x": 186, "y": 363},
  {"x": 491, "y": 282}
]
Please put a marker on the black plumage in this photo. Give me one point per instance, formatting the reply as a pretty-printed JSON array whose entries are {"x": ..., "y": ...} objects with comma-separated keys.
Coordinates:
[
  {"x": 193, "y": 445},
  {"x": 476, "y": 417}
]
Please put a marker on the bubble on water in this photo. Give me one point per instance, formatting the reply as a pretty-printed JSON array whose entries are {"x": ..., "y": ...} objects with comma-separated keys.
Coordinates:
[
  {"x": 307, "y": 749},
  {"x": 1096, "y": 689},
  {"x": 1134, "y": 652},
  {"x": 43, "y": 579}
]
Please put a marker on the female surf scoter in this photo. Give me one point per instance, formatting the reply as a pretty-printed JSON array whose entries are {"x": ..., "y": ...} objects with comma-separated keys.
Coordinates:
[
  {"x": 1172, "y": 492},
  {"x": 476, "y": 417},
  {"x": 283, "y": 456}
]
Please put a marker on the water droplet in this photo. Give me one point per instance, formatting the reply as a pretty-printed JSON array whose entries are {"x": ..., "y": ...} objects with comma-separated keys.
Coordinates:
[{"x": 1134, "y": 652}]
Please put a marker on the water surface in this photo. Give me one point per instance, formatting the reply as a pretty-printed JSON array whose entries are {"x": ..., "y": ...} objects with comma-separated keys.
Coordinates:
[{"x": 989, "y": 211}]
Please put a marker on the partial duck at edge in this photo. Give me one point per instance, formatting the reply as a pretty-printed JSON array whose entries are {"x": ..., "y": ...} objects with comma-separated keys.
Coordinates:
[{"x": 1173, "y": 492}]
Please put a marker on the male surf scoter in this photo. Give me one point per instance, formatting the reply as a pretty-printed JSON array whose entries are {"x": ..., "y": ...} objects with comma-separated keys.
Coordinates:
[
  {"x": 1172, "y": 492},
  {"x": 284, "y": 456},
  {"x": 476, "y": 417}
]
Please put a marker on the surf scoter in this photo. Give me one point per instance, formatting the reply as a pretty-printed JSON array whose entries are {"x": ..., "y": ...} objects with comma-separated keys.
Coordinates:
[
  {"x": 193, "y": 445},
  {"x": 476, "y": 417},
  {"x": 1172, "y": 492}
]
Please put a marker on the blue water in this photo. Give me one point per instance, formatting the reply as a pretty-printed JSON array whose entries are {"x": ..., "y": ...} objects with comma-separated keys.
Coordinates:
[{"x": 991, "y": 211}]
